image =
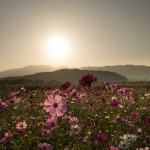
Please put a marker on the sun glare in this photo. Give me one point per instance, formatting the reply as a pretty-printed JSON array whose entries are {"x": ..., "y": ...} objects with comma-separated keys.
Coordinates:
[{"x": 58, "y": 47}]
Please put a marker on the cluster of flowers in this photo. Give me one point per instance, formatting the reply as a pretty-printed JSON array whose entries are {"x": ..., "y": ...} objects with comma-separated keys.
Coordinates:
[
  {"x": 13, "y": 98},
  {"x": 127, "y": 140},
  {"x": 21, "y": 126},
  {"x": 110, "y": 86},
  {"x": 6, "y": 137},
  {"x": 57, "y": 112}
]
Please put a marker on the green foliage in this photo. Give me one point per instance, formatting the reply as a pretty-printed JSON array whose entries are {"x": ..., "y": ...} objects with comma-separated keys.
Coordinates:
[{"x": 93, "y": 117}]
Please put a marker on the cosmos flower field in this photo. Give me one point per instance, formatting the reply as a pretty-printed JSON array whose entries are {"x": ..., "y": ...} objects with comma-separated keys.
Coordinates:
[{"x": 107, "y": 116}]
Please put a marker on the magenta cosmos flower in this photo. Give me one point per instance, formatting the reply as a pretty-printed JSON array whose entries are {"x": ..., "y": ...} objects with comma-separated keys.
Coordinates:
[
  {"x": 44, "y": 146},
  {"x": 100, "y": 137},
  {"x": 7, "y": 136},
  {"x": 148, "y": 122},
  {"x": 54, "y": 105},
  {"x": 112, "y": 148},
  {"x": 87, "y": 80},
  {"x": 114, "y": 103},
  {"x": 65, "y": 86}
]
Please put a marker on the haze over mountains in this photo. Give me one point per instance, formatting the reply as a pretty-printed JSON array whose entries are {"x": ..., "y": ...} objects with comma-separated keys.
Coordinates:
[
  {"x": 132, "y": 72},
  {"x": 28, "y": 70}
]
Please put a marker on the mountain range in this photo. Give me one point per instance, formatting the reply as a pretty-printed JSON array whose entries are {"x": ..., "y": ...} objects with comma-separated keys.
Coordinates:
[
  {"x": 132, "y": 72},
  {"x": 28, "y": 70},
  {"x": 63, "y": 75}
]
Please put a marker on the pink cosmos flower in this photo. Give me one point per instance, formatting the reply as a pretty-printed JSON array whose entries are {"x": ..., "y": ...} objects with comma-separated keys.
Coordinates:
[
  {"x": 113, "y": 87},
  {"x": 106, "y": 85},
  {"x": 139, "y": 130},
  {"x": 54, "y": 105},
  {"x": 51, "y": 122},
  {"x": 14, "y": 99},
  {"x": 73, "y": 120},
  {"x": 45, "y": 132},
  {"x": 74, "y": 93},
  {"x": 6, "y": 137},
  {"x": 5, "y": 103},
  {"x": 65, "y": 86},
  {"x": 112, "y": 148},
  {"x": 44, "y": 146},
  {"x": 116, "y": 117},
  {"x": 129, "y": 98},
  {"x": 82, "y": 95},
  {"x": 8, "y": 134},
  {"x": 21, "y": 126},
  {"x": 86, "y": 138}
]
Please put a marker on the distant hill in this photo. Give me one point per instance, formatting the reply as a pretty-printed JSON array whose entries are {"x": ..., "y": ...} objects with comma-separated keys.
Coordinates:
[
  {"x": 132, "y": 72},
  {"x": 72, "y": 75},
  {"x": 28, "y": 70}
]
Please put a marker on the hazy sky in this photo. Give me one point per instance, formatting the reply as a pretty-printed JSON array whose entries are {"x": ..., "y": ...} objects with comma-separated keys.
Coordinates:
[{"x": 97, "y": 32}]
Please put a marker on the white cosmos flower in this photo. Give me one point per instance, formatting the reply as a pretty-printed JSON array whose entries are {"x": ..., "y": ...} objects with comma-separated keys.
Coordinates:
[{"x": 76, "y": 128}]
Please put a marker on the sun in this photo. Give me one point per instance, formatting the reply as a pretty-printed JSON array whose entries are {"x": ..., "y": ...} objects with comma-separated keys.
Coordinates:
[{"x": 58, "y": 47}]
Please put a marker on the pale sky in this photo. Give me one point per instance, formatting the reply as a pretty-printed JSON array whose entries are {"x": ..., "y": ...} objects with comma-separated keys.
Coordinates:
[{"x": 96, "y": 32}]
